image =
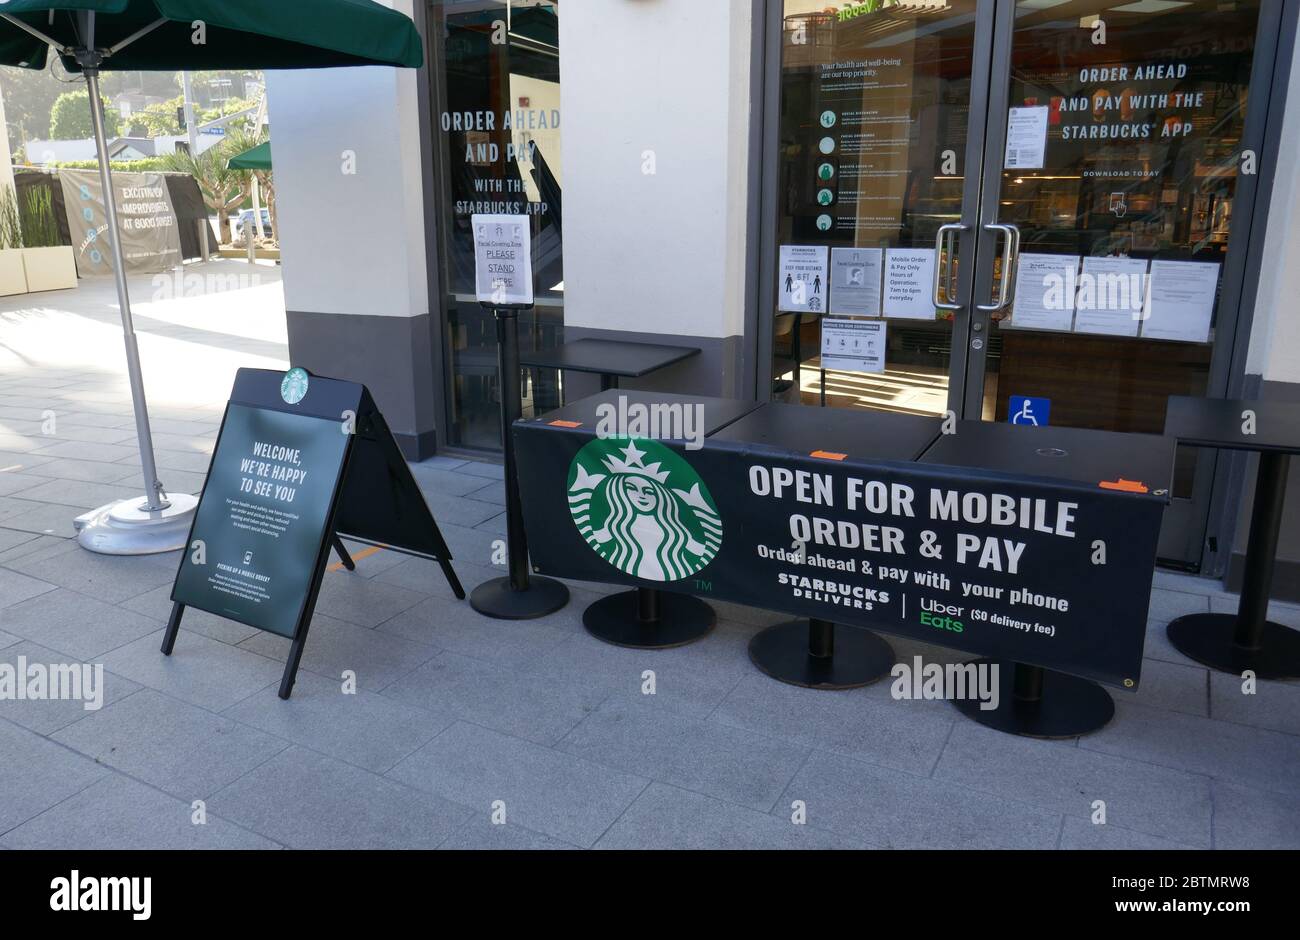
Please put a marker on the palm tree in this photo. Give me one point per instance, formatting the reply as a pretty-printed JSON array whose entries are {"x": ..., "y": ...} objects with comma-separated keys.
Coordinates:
[
  {"x": 238, "y": 142},
  {"x": 223, "y": 189}
]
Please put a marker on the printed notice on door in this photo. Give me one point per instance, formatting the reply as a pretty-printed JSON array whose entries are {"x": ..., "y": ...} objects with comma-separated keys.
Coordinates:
[
  {"x": 1182, "y": 300},
  {"x": 909, "y": 283},
  {"x": 1045, "y": 287},
  {"x": 853, "y": 345},
  {"x": 804, "y": 279},
  {"x": 855, "y": 281},
  {"x": 1026, "y": 138},
  {"x": 1111, "y": 296}
]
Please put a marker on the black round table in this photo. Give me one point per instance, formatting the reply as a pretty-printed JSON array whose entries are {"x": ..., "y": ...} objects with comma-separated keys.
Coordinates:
[
  {"x": 1247, "y": 640},
  {"x": 1033, "y": 701},
  {"x": 819, "y": 654}
]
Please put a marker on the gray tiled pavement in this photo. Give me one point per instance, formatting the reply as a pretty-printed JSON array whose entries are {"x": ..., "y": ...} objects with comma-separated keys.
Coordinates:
[{"x": 457, "y": 718}]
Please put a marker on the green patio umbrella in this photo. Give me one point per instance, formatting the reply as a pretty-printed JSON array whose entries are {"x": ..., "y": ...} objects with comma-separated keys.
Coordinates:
[
  {"x": 256, "y": 158},
  {"x": 90, "y": 36}
]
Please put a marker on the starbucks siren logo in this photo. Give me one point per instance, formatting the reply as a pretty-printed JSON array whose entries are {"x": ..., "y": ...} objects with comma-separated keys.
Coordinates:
[
  {"x": 293, "y": 387},
  {"x": 655, "y": 521}
]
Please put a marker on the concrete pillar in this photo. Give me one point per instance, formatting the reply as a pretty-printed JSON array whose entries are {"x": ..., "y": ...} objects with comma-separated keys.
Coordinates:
[
  {"x": 350, "y": 208},
  {"x": 656, "y": 104}
]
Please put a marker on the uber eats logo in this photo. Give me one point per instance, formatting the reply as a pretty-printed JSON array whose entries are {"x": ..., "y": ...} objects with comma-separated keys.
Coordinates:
[{"x": 643, "y": 509}]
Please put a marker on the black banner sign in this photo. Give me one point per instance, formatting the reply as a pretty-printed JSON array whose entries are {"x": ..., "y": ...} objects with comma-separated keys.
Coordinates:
[{"x": 1034, "y": 570}]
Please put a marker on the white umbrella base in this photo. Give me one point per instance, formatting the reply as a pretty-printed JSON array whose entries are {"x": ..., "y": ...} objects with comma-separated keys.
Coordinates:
[{"x": 128, "y": 528}]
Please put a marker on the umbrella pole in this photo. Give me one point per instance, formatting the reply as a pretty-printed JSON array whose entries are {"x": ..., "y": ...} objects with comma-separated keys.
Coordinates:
[
  {"x": 153, "y": 489},
  {"x": 157, "y": 523}
]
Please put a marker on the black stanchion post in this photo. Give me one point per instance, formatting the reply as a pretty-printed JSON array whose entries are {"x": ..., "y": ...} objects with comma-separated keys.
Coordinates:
[
  {"x": 821, "y": 638},
  {"x": 648, "y": 619},
  {"x": 518, "y": 596},
  {"x": 1261, "y": 549},
  {"x": 1250, "y": 641},
  {"x": 819, "y": 654},
  {"x": 647, "y": 601},
  {"x": 1037, "y": 703}
]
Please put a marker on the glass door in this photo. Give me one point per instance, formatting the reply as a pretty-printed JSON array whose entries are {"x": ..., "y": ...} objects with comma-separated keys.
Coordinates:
[
  {"x": 881, "y": 115},
  {"x": 495, "y": 95},
  {"x": 1112, "y": 221},
  {"x": 1031, "y": 211}
]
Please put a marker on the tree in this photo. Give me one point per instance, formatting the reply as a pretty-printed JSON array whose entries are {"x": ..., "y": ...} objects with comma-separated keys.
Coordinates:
[
  {"x": 236, "y": 143},
  {"x": 29, "y": 96},
  {"x": 222, "y": 188},
  {"x": 159, "y": 120},
  {"x": 70, "y": 117}
]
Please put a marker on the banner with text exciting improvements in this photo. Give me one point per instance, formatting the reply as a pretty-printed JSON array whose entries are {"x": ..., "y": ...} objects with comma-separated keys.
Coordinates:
[{"x": 146, "y": 221}]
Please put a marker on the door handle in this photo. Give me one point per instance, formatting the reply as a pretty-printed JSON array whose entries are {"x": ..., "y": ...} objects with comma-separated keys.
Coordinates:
[
  {"x": 1010, "y": 252},
  {"x": 942, "y": 271}
]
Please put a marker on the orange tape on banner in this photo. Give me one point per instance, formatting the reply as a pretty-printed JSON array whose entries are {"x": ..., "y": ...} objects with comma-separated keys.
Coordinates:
[
  {"x": 828, "y": 455},
  {"x": 1123, "y": 486},
  {"x": 565, "y": 424}
]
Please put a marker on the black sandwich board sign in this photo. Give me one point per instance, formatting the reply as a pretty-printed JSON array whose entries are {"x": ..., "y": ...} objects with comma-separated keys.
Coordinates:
[
  {"x": 1049, "y": 572},
  {"x": 300, "y": 461}
]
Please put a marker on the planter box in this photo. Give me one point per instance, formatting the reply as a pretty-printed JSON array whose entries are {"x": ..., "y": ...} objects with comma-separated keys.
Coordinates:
[
  {"x": 50, "y": 268},
  {"x": 13, "y": 274}
]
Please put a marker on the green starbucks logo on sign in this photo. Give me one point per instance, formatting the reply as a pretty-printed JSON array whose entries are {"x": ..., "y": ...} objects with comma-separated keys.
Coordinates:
[
  {"x": 293, "y": 388},
  {"x": 643, "y": 509}
]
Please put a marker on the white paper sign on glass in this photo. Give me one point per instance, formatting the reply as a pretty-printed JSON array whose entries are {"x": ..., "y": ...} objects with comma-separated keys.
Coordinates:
[
  {"x": 855, "y": 281},
  {"x": 1026, "y": 138},
  {"x": 1112, "y": 293},
  {"x": 853, "y": 345},
  {"x": 1045, "y": 286},
  {"x": 909, "y": 283},
  {"x": 1181, "y": 304},
  {"x": 804, "y": 279},
  {"x": 503, "y": 259}
]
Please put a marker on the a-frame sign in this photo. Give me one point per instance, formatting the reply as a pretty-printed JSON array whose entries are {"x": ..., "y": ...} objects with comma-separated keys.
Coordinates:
[{"x": 300, "y": 461}]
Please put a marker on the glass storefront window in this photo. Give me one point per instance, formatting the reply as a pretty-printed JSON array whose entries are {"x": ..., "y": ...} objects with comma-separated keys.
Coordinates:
[
  {"x": 875, "y": 111},
  {"x": 496, "y": 124},
  {"x": 1075, "y": 272},
  {"x": 1140, "y": 168}
]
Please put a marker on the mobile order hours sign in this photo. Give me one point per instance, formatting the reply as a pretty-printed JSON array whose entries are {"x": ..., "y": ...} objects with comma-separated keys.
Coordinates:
[{"x": 503, "y": 260}]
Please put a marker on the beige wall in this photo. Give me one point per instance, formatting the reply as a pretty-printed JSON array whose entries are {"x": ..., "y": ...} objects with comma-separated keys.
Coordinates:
[{"x": 661, "y": 252}]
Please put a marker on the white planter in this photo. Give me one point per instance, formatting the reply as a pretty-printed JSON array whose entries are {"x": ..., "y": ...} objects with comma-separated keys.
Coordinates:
[
  {"x": 13, "y": 274},
  {"x": 50, "y": 268}
]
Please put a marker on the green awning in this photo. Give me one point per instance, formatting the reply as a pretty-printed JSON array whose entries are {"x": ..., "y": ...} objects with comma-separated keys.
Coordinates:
[
  {"x": 233, "y": 34},
  {"x": 259, "y": 158}
]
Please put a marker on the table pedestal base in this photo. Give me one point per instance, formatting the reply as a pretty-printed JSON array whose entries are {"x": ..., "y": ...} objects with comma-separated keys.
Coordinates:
[
  {"x": 817, "y": 654},
  {"x": 646, "y": 619},
  {"x": 1037, "y": 703},
  {"x": 1211, "y": 640},
  {"x": 497, "y": 598}
]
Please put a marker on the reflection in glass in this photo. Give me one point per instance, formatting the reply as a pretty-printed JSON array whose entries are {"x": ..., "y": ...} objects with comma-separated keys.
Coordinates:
[
  {"x": 1141, "y": 162},
  {"x": 497, "y": 128}
]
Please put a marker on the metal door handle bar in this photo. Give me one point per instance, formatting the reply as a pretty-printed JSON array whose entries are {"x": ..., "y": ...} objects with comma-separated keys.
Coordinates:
[
  {"x": 942, "y": 268},
  {"x": 1010, "y": 251}
]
